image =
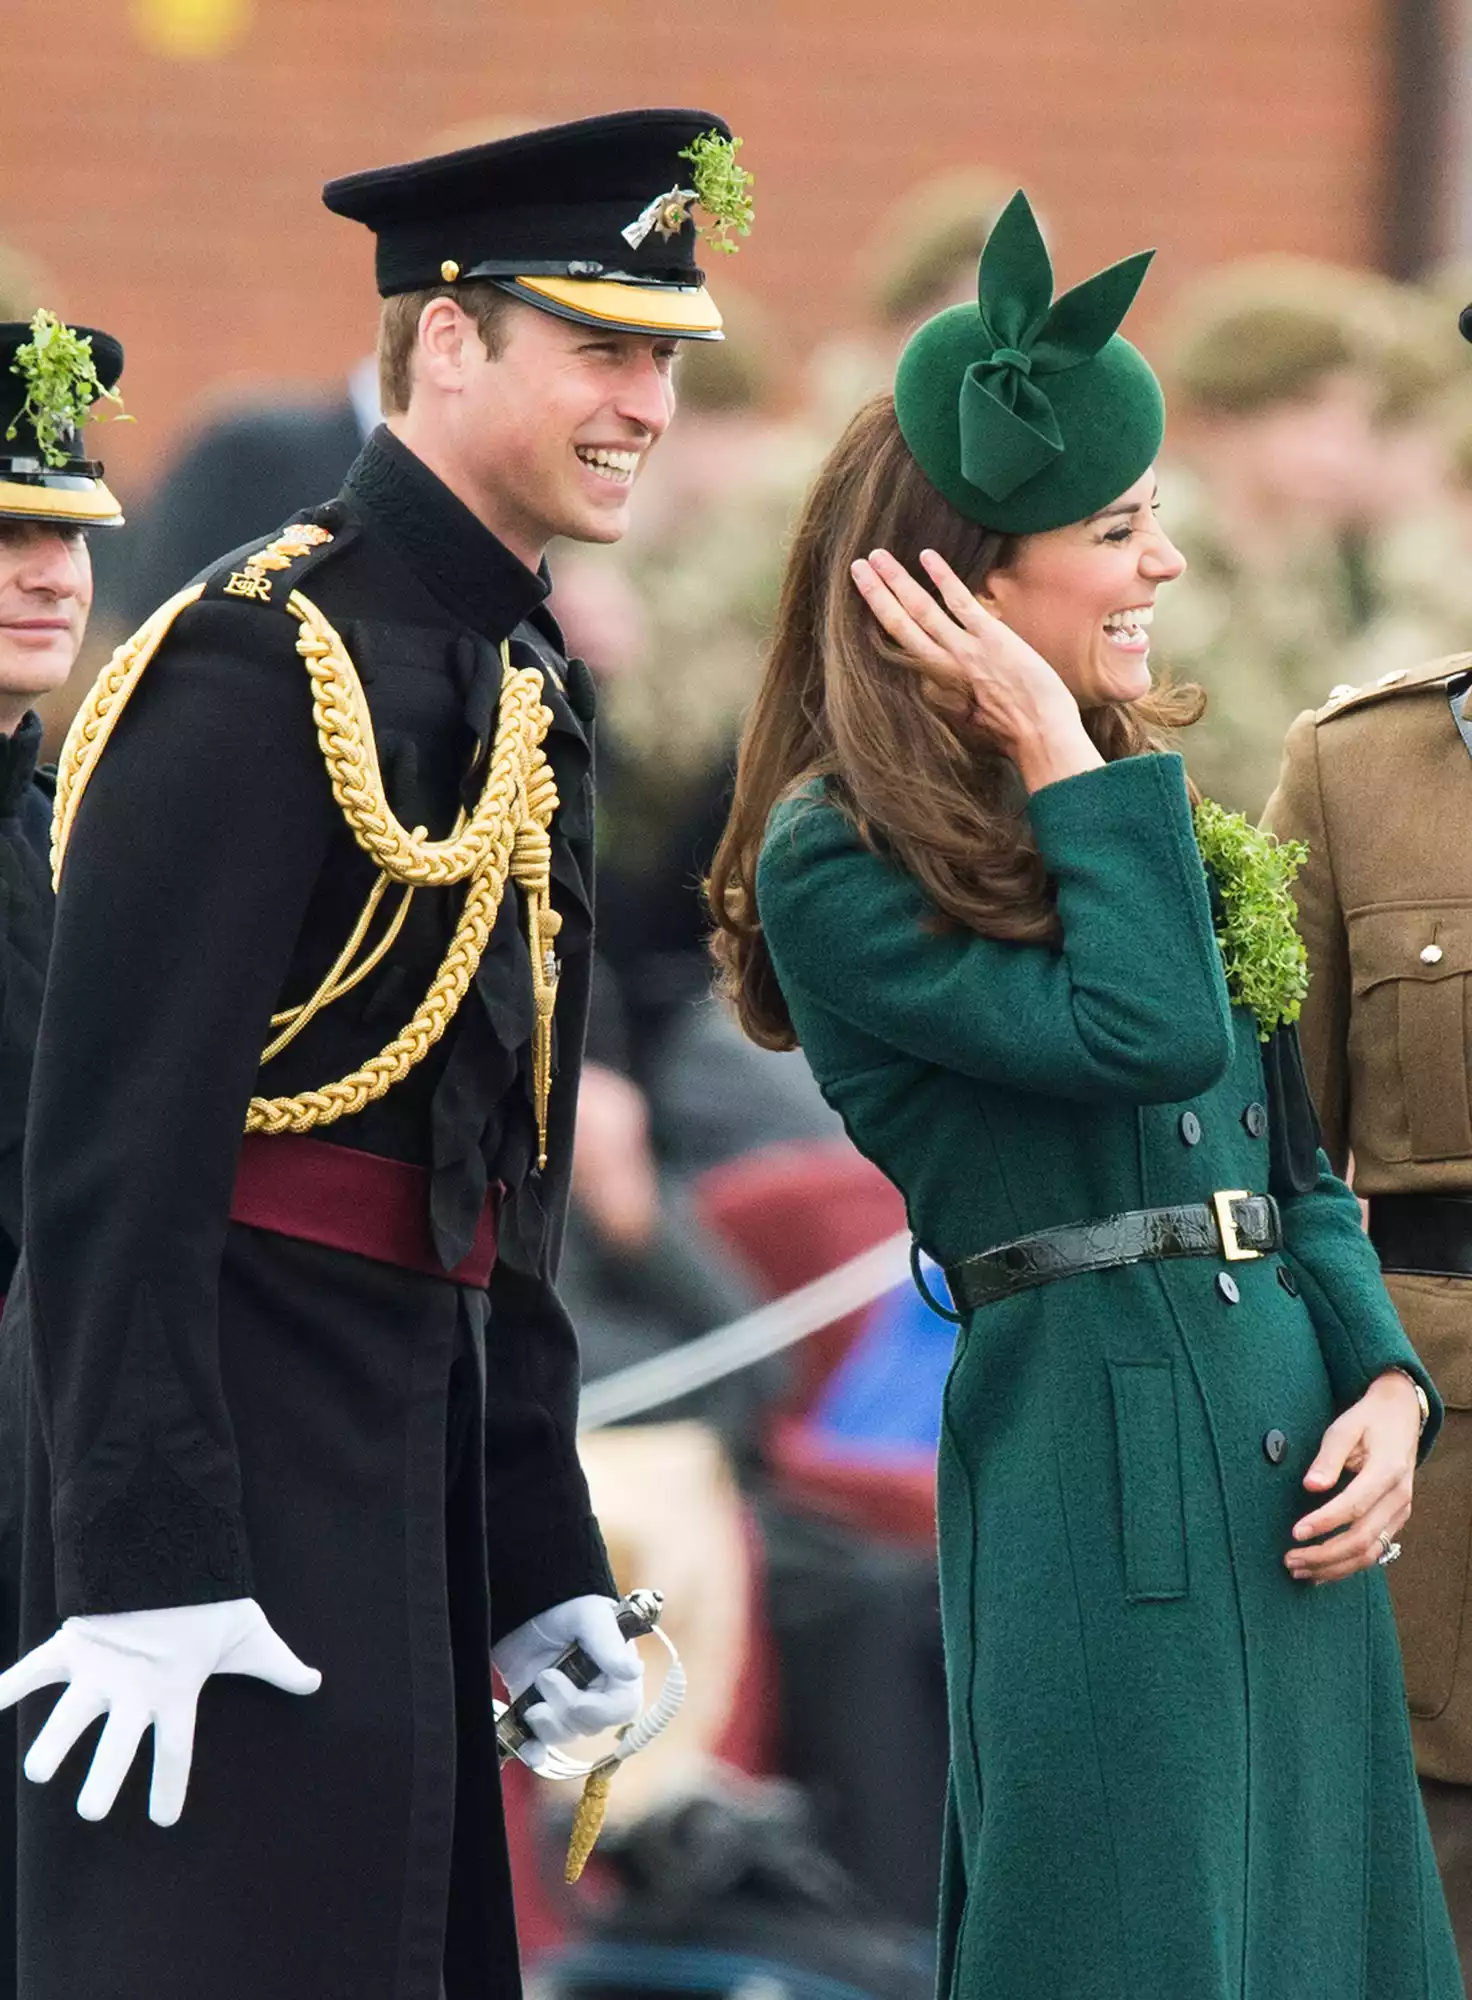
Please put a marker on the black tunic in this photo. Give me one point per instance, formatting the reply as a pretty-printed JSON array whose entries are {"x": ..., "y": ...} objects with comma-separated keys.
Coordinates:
[
  {"x": 25, "y": 938},
  {"x": 385, "y": 1460}
]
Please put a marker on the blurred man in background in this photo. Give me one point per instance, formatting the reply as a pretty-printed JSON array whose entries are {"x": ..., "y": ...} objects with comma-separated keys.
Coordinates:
[
  {"x": 1275, "y": 402},
  {"x": 51, "y": 495},
  {"x": 1420, "y": 543},
  {"x": 1303, "y": 449},
  {"x": 919, "y": 257}
]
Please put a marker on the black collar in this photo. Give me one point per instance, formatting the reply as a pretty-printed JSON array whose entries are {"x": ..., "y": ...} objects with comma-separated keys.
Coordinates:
[
  {"x": 18, "y": 754},
  {"x": 461, "y": 562}
]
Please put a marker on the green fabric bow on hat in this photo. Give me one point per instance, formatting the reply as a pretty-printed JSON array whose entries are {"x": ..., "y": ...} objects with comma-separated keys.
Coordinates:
[{"x": 1028, "y": 413}]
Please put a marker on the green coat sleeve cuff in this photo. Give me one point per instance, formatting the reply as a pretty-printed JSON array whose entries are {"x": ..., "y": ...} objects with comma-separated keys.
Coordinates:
[{"x": 1359, "y": 1332}]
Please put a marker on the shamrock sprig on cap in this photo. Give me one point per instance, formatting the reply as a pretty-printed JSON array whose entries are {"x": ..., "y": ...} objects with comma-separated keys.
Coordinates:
[
  {"x": 722, "y": 187},
  {"x": 60, "y": 375}
]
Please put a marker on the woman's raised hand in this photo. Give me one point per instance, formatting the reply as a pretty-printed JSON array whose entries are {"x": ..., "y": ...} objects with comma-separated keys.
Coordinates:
[{"x": 984, "y": 674}]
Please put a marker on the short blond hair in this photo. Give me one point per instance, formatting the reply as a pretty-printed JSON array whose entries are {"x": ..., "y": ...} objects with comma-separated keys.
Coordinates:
[{"x": 398, "y": 332}]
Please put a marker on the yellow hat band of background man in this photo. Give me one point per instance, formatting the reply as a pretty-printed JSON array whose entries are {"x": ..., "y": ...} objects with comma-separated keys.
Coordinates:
[{"x": 52, "y": 376}]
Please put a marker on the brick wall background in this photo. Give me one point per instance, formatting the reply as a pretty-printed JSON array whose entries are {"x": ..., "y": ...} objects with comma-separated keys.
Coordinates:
[{"x": 175, "y": 197}]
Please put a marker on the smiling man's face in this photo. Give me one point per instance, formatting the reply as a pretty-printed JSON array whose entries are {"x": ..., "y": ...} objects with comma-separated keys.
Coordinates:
[
  {"x": 554, "y": 429},
  {"x": 45, "y": 595}
]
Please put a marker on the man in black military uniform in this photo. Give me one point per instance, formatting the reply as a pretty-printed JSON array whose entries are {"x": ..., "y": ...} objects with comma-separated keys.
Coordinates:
[
  {"x": 51, "y": 494},
  {"x": 325, "y": 847}
]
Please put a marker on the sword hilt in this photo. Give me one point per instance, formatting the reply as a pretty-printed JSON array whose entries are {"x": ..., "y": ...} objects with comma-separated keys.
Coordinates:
[{"x": 637, "y": 1615}]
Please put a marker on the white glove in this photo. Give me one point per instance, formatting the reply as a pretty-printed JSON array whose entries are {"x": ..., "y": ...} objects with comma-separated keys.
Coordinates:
[
  {"x": 142, "y": 1669},
  {"x": 564, "y": 1712}
]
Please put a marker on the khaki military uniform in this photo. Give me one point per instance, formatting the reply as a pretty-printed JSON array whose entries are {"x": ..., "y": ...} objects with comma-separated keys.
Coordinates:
[{"x": 1379, "y": 784}]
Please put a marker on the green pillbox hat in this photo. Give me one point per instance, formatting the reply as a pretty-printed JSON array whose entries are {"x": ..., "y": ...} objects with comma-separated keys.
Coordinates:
[{"x": 1025, "y": 412}]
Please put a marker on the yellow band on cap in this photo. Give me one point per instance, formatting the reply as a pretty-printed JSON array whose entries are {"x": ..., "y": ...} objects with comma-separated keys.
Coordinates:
[
  {"x": 632, "y": 308},
  {"x": 52, "y": 503}
]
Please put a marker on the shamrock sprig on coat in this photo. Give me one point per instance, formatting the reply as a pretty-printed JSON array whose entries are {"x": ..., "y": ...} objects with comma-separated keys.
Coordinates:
[{"x": 1264, "y": 957}]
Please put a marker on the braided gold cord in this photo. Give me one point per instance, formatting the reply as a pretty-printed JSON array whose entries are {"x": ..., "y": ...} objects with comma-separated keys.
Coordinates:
[
  {"x": 507, "y": 835},
  {"x": 98, "y": 716},
  {"x": 518, "y": 771},
  {"x": 434, "y": 1014},
  {"x": 345, "y": 732},
  {"x": 531, "y": 863}
]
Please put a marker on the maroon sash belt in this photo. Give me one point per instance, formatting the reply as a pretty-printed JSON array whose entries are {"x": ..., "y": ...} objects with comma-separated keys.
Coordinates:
[{"x": 348, "y": 1200}]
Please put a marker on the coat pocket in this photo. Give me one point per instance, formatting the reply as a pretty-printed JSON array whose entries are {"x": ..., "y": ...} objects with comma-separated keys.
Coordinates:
[
  {"x": 1152, "y": 1512},
  {"x": 1410, "y": 1029}
]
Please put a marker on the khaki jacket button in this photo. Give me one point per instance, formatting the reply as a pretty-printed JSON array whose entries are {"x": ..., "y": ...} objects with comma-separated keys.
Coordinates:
[{"x": 1432, "y": 954}]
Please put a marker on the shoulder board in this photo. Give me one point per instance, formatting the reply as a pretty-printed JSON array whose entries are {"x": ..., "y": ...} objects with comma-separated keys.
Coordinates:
[
  {"x": 269, "y": 570},
  {"x": 1404, "y": 680}
]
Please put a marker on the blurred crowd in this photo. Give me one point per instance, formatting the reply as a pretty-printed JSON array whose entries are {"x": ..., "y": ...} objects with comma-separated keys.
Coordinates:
[{"x": 1318, "y": 479}]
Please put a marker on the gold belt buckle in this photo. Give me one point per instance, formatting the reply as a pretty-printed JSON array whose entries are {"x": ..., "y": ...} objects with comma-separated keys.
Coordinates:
[{"x": 1232, "y": 1247}]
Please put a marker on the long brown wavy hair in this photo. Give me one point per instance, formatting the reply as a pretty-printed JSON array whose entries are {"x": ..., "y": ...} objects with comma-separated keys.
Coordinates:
[{"x": 839, "y": 701}]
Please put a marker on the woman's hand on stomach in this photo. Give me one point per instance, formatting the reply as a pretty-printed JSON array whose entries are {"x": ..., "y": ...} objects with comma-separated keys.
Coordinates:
[{"x": 1376, "y": 1440}]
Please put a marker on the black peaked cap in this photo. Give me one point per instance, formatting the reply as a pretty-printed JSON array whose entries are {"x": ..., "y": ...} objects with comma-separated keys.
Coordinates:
[
  {"x": 31, "y": 489},
  {"x": 549, "y": 203}
]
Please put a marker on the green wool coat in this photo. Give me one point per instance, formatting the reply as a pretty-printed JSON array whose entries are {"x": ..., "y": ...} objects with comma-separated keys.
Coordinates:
[{"x": 1174, "y": 1771}]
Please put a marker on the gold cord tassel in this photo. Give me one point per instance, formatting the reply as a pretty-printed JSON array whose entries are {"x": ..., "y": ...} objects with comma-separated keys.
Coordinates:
[
  {"x": 588, "y": 1823},
  {"x": 531, "y": 870}
]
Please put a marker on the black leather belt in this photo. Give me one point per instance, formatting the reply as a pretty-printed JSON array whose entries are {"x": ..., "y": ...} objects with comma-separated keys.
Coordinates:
[
  {"x": 1233, "y": 1225},
  {"x": 1427, "y": 1235}
]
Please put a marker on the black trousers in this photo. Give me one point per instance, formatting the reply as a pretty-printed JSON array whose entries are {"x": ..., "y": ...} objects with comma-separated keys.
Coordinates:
[
  {"x": 856, "y": 1626},
  {"x": 346, "y": 1846}
]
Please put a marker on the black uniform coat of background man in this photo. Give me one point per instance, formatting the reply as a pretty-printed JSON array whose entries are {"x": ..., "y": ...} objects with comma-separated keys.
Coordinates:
[
  {"x": 209, "y": 1411},
  {"x": 25, "y": 937}
]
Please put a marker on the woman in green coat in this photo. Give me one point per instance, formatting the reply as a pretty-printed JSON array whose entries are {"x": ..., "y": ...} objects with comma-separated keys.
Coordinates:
[{"x": 1053, "y": 1003}]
